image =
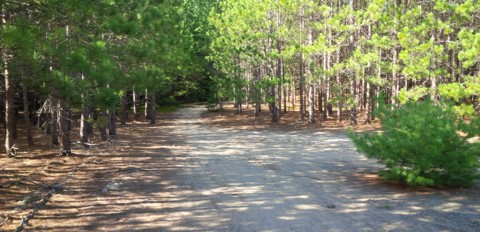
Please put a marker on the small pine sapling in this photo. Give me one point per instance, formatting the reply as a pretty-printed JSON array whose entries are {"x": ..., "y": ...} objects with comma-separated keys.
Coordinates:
[{"x": 426, "y": 144}]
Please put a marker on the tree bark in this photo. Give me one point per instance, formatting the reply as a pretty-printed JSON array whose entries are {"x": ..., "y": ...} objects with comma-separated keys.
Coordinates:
[
  {"x": 101, "y": 126},
  {"x": 301, "y": 89},
  {"x": 147, "y": 105},
  {"x": 26, "y": 115},
  {"x": 123, "y": 109},
  {"x": 84, "y": 117},
  {"x": 62, "y": 110},
  {"x": 368, "y": 101},
  {"x": 339, "y": 92},
  {"x": 353, "y": 81},
  {"x": 9, "y": 104},
  {"x": 54, "y": 120},
  {"x": 9, "y": 107},
  {"x": 153, "y": 110},
  {"x": 112, "y": 126},
  {"x": 135, "y": 104}
]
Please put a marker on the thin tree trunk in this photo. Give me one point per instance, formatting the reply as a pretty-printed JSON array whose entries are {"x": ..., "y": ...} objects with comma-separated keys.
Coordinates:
[
  {"x": 123, "y": 109},
  {"x": 301, "y": 89},
  {"x": 9, "y": 114},
  {"x": 84, "y": 117},
  {"x": 65, "y": 147},
  {"x": 26, "y": 115},
  {"x": 152, "y": 109},
  {"x": 135, "y": 104},
  {"x": 147, "y": 106},
  {"x": 311, "y": 103},
  {"x": 320, "y": 97},
  {"x": 339, "y": 92},
  {"x": 54, "y": 120},
  {"x": 284, "y": 86},
  {"x": 112, "y": 125},
  {"x": 256, "y": 92},
  {"x": 309, "y": 77},
  {"x": 101, "y": 127},
  {"x": 293, "y": 89},
  {"x": 353, "y": 81}
]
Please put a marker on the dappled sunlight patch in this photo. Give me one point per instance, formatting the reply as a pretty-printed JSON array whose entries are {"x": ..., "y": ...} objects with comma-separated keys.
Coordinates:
[
  {"x": 307, "y": 207},
  {"x": 448, "y": 207}
]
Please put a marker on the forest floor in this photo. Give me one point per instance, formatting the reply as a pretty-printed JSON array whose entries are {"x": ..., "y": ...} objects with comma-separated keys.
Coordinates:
[{"x": 198, "y": 171}]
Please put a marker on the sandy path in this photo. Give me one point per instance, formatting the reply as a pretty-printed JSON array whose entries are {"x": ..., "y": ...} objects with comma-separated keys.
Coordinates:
[
  {"x": 192, "y": 177},
  {"x": 302, "y": 181}
]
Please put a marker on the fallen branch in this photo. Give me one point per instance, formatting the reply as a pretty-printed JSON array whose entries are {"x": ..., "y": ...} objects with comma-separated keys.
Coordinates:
[
  {"x": 4, "y": 220},
  {"x": 36, "y": 206}
]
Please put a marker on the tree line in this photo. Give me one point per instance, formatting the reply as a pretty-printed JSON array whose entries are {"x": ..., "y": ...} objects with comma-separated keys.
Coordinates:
[
  {"x": 342, "y": 54},
  {"x": 99, "y": 60},
  {"x": 94, "y": 59}
]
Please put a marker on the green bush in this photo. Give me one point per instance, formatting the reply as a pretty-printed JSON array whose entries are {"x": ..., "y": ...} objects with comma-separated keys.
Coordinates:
[
  {"x": 169, "y": 101},
  {"x": 424, "y": 144}
]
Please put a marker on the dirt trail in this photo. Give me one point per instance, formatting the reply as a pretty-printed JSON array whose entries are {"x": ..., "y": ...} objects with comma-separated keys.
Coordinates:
[{"x": 184, "y": 175}]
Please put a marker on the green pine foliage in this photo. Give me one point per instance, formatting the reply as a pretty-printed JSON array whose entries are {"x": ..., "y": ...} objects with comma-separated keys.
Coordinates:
[{"x": 424, "y": 144}]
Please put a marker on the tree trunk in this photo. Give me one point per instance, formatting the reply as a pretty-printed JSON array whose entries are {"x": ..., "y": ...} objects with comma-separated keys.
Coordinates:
[
  {"x": 54, "y": 120},
  {"x": 62, "y": 110},
  {"x": 101, "y": 127},
  {"x": 353, "y": 81},
  {"x": 153, "y": 110},
  {"x": 301, "y": 89},
  {"x": 256, "y": 92},
  {"x": 123, "y": 109},
  {"x": 26, "y": 115},
  {"x": 112, "y": 126},
  {"x": 9, "y": 114},
  {"x": 147, "y": 105},
  {"x": 368, "y": 101},
  {"x": 284, "y": 88},
  {"x": 274, "y": 114},
  {"x": 135, "y": 105},
  {"x": 311, "y": 103},
  {"x": 339, "y": 92},
  {"x": 320, "y": 97},
  {"x": 84, "y": 121}
]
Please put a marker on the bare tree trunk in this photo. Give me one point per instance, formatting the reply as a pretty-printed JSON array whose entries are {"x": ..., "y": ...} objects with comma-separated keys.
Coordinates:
[
  {"x": 84, "y": 117},
  {"x": 112, "y": 126},
  {"x": 54, "y": 120},
  {"x": 65, "y": 147},
  {"x": 101, "y": 127},
  {"x": 301, "y": 88},
  {"x": 368, "y": 101},
  {"x": 135, "y": 104},
  {"x": 9, "y": 105},
  {"x": 147, "y": 105},
  {"x": 320, "y": 96},
  {"x": 293, "y": 90},
  {"x": 353, "y": 81},
  {"x": 339, "y": 92},
  {"x": 153, "y": 106},
  {"x": 123, "y": 109},
  {"x": 433, "y": 78},
  {"x": 285, "y": 97},
  {"x": 26, "y": 115},
  {"x": 311, "y": 103},
  {"x": 256, "y": 92}
]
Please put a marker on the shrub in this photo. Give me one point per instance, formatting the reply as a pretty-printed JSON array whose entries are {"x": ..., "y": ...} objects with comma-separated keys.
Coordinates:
[
  {"x": 169, "y": 101},
  {"x": 424, "y": 144}
]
